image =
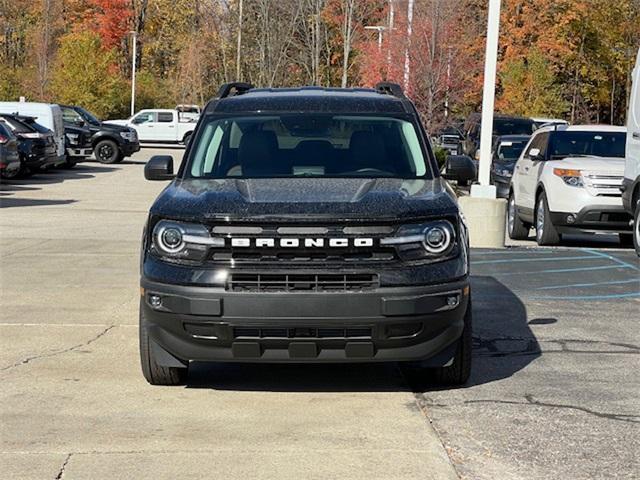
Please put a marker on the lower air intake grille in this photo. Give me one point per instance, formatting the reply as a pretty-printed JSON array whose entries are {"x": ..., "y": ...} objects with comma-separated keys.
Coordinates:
[
  {"x": 304, "y": 332},
  {"x": 257, "y": 282}
]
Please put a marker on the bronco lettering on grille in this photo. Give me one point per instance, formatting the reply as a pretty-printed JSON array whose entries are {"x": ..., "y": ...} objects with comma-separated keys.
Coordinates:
[{"x": 301, "y": 242}]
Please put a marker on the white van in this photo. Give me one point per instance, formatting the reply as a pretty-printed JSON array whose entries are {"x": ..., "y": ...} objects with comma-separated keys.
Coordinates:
[
  {"x": 631, "y": 181},
  {"x": 46, "y": 114}
]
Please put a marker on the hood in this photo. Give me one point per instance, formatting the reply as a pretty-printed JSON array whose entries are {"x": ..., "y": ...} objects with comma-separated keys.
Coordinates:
[
  {"x": 115, "y": 122},
  {"x": 305, "y": 199},
  {"x": 609, "y": 165},
  {"x": 111, "y": 127}
]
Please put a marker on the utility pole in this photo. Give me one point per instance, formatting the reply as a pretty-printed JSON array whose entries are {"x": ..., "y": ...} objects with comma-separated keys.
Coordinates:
[
  {"x": 407, "y": 66},
  {"x": 134, "y": 40},
  {"x": 239, "y": 46},
  {"x": 488, "y": 102}
]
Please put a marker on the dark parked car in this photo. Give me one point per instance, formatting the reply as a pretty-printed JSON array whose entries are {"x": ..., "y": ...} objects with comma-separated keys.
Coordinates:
[
  {"x": 306, "y": 225},
  {"x": 37, "y": 145},
  {"x": 9, "y": 158},
  {"x": 110, "y": 143},
  {"x": 505, "y": 152},
  {"x": 502, "y": 125}
]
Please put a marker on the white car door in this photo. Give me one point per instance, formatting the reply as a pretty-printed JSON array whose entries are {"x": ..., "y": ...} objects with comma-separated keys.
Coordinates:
[
  {"x": 165, "y": 127},
  {"x": 632, "y": 168},
  {"x": 144, "y": 123},
  {"x": 527, "y": 171}
]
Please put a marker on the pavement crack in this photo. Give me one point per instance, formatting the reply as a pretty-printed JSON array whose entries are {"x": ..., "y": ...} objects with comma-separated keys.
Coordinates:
[
  {"x": 63, "y": 467},
  {"x": 27, "y": 360},
  {"x": 530, "y": 400}
]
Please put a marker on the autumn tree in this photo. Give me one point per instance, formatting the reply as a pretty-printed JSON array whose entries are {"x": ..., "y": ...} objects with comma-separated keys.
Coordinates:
[{"x": 84, "y": 74}]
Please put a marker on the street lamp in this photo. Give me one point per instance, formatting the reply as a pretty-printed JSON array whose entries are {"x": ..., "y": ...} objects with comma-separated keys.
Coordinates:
[{"x": 134, "y": 36}]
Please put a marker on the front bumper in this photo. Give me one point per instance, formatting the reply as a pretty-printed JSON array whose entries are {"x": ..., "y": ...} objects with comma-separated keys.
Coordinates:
[
  {"x": 502, "y": 184},
  {"x": 78, "y": 153},
  {"x": 129, "y": 148},
  {"x": 595, "y": 219},
  {"x": 386, "y": 324}
]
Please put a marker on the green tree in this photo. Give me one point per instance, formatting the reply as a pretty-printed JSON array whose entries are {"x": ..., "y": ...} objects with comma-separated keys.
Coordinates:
[
  {"x": 530, "y": 88},
  {"x": 85, "y": 74}
]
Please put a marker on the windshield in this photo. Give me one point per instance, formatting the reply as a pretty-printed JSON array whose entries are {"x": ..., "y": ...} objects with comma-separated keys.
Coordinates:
[
  {"x": 511, "y": 150},
  {"x": 592, "y": 144},
  {"x": 88, "y": 116},
  {"x": 314, "y": 145},
  {"x": 513, "y": 127}
]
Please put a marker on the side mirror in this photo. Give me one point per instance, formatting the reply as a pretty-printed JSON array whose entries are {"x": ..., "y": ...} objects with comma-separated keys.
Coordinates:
[
  {"x": 159, "y": 167},
  {"x": 535, "y": 155},
  {"x": 460, "y": 168}
]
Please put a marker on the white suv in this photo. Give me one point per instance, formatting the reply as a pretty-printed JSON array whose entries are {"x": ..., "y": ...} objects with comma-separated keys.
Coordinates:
[{"x": 568, "y": 179}]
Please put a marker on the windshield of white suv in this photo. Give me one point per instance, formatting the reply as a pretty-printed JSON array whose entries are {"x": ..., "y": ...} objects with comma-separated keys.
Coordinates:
[
  {"x": 511, "y": 149},
  {"x": 309, "y": 145},
  {"x": 590, "y": 144}
]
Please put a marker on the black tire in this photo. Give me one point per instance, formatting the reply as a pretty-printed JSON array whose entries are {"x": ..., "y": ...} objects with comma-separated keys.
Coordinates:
[
  {"x": 636, "y": 228},
  {"x": 516, "y": 228},
  {"x": 626, "y": 239},
  {"x": 107, "y": 152},
  {"x": 187, "y": 138},
  {"x": 154, "y": 373},
  {"x": 546, "y": 233},
  {"x": 459, "y": 371},
  {"x": 12, "y": 175}
]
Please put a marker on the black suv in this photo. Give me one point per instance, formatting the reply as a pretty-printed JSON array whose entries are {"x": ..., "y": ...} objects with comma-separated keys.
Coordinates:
[
  {"x": 306, "y": 225},
  {"x": 111, "y": 143}
]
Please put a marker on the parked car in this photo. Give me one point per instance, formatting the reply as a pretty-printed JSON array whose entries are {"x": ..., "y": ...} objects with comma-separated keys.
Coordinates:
[
  {"x": 110, "y": 143},
  {"x": 46, "y": 114},
  {"x": 505, "y": 152},
  {"x": 548, "y": 122},
  {"x": 631, "y": 181},
  {"x": 37, "y": 146},
  {"x": 9, "y": 158},
  {"x": 502, "y": 125},
  {"x": 306, "y": 225},
  {"x": 568, "y": 180},
  {"x": 451, "y": 143},
  {"x": 159, "y": 126}
]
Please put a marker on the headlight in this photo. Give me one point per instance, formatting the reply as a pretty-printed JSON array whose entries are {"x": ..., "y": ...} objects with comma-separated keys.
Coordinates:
[
  {"x": 573, "y": 178},
  {"x": 177, "y": 240},
  {"x": 72, "y": 137},
  {"x": 129, "y": 135},
  {"x": 430, "y": 241}
]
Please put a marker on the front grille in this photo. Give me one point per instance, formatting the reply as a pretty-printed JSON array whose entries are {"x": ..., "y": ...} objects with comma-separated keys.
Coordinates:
[
  {"x": 259, "y": 282},
  {"x": 302, "y": 332},
  {"x": 299, "y": 256},
  {"x": 604, "y": 185}
]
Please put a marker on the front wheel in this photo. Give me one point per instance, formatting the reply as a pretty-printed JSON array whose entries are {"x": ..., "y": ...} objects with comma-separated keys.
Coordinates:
[
  {"x": 156, "y": 374},
  {"x": 516, "y": 228},
  {"x": 187, "y": 138},
  {"x": 546, "y": 233},
  {"x": 107, "y": 152},
  {"x": 459, "y": 371}
]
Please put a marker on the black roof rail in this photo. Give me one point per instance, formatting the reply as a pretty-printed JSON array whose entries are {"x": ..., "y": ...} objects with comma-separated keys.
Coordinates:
[
  {"x": 390, "y": 88},
  {"x": 239, "y": 88}
]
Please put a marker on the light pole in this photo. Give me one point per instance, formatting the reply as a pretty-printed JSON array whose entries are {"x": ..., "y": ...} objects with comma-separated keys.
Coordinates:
[
  {"x": 134, "y": 39},
  {"x": 488, "y": 103}
]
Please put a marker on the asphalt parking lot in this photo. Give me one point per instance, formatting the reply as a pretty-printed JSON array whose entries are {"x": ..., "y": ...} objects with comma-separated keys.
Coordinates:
[{"x": 555, "y": 390}]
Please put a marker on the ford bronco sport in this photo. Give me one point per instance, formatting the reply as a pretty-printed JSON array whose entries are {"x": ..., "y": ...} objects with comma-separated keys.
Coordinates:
[{"x": 306, "y": 225}]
